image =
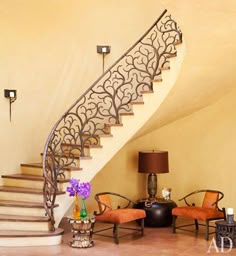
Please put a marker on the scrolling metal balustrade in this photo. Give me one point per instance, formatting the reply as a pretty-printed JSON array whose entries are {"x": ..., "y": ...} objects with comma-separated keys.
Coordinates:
[{"x": 105, "y": 101}]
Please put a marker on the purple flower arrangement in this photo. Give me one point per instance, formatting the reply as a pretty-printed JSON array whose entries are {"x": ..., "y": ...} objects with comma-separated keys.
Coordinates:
[{"x": 83, "y": 189}]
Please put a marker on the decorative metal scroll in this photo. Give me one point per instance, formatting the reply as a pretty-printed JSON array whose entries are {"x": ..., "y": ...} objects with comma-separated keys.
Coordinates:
[{"x": 105, "y": 101}]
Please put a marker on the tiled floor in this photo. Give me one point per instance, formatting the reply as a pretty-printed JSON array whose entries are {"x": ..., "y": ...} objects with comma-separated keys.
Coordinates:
[{"x": 156, "y": 242}]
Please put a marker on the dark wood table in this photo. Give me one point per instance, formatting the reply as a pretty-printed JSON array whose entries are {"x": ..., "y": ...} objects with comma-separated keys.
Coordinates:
[{"x": 158, "y": 211}]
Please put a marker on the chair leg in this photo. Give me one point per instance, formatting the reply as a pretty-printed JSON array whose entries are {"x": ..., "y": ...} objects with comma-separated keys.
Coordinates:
[
  {"x": 196, "y": 224},
  {"x": 174, "y": 223},
  {"x": 142, "y": 227},
  {"x": 116, "y": 233},
  {"x": 207, "y": 230}
]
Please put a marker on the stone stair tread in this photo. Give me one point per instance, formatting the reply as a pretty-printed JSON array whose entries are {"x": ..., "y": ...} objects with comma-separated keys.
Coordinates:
[
  {"x": 29, "y": 177},
  {"x": 8, "y": 217},
  {"x": 24, "y": 190},
  {"x": 19, "y": 233}
]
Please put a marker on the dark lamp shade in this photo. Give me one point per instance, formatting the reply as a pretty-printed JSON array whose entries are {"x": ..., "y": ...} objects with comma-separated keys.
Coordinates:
[{"x": 153, "y": 162}]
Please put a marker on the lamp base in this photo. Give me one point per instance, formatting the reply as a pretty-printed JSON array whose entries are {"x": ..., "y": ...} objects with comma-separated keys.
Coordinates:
[
  {"x": 158, "y": 211},
  {"x": 152, "y": 185}
]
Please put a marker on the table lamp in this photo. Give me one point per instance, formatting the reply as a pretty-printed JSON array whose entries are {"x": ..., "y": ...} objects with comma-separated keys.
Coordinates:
[{"x": 152, "y": 162}]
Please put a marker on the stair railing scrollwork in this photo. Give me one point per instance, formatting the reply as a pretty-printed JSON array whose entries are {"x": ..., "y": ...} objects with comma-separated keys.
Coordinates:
[{"x": 105, "y": 101}]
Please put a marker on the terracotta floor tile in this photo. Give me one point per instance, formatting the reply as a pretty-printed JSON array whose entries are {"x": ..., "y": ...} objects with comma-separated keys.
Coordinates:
[{"x": 156, "y": 242}]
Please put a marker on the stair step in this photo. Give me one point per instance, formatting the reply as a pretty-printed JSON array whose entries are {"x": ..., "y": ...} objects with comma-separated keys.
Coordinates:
[
  {"x": 21, "y": 190},
  {"x": 178, "y": 42},
  {"x": 29, "y": 181},
  {"x": 29, "y": 177},
  {"x": 76, "y": 156},
  {"x": 28, "y": 233},
  {"x": 40, "y": 165},
  {"x": 102, "y": 135},
  {"x": 92, "y": 142},
  {"x": 165, "y": 68},
  {"x": 158, "y": 79},
  {"x": 23, "y": 194},
  {"x": 86, "y": 146},
  {"x": 12, "y": 238},
  {"x": 22, "y": 208},
  {"x": 73, "y": 151},
  {"x": 37, "y": 170},
  {"x": 23, "y": 177},
  {"x": 114, "y": 125},
  {"x": 171, "y": 55},
  {"x": 8, "y": 217},
  {"x": 146, "y": 92},
  {"x": 137, "y": 103},
  {"x": 69, "y": 147},
  {"x": 32, "y": 169},
  {"x": 127, "y": 114},
  {"x": 12, "y": 203},
  {"x": 17, "y": 222}
]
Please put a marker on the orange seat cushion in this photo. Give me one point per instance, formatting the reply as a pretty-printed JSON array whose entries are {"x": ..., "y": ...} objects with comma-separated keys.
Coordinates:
[
  {"x": 196, "y": 212},
  {"x": 121, "y": 215}
]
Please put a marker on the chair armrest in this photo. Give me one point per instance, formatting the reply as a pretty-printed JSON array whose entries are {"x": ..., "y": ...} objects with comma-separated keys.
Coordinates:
[
  {"x": 129, "y": 201},
  {"x": 188, "y": 195},
  {"x": 201, "y": 191},
  {"x": 96, "y": 213}
]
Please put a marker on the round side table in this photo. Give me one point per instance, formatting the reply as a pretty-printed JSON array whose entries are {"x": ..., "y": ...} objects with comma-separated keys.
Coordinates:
[
  {"x": 82, "y": 230},
  {"x": 225, "y": 234},
  {"x": 158, "y": 211}
]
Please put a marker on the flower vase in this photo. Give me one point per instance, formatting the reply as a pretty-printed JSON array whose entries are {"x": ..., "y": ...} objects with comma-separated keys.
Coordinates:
[
  {"x": 83, "y": 211},
  {"x": 76, "y": 209}
]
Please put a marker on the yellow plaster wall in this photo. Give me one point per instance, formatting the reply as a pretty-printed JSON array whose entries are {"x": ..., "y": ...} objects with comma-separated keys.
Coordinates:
[
  {"x": 48, "y": 54},
  {"x": 201, "y": 150}
]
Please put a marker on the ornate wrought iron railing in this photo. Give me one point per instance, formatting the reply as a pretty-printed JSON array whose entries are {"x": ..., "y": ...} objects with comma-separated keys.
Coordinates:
[{"x": 105, "y": 101}]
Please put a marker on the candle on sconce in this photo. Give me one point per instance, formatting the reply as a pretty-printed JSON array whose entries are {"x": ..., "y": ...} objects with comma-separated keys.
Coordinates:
[{"x": 230, "y": 211}]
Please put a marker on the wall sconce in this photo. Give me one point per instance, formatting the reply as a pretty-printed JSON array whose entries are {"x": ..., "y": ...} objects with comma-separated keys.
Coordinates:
[
  {"x": 11, "y": 95},
  {"x": 104, "y": 50}
]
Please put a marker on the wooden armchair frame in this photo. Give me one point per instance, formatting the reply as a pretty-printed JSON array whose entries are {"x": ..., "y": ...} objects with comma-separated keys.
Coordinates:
[
  {"x": 209, "y": 211},
  {"x": 117, "y": 216}
]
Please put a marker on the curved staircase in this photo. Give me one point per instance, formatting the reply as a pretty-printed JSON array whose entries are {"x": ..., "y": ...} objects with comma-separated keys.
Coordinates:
[{"x": 89, "y": 134}]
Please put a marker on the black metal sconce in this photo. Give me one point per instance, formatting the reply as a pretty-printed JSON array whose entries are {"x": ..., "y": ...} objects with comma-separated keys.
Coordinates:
[
  {"x": 104, "y": 50},
  {"x": 11, "y": 95}
]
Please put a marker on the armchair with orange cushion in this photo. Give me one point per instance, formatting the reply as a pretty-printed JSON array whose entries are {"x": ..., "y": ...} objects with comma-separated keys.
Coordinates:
[
  {"x": 117, "y": 216},
  {"x": 208, "y": 211}
]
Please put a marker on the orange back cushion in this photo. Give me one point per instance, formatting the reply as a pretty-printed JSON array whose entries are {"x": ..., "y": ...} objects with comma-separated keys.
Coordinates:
[
  {"x": 209, "y": 199},
  {"x": 106, "y": 200}
]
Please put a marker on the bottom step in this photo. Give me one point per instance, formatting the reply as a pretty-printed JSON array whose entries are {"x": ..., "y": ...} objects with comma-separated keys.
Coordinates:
[{"x": 14, "y": 238}]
